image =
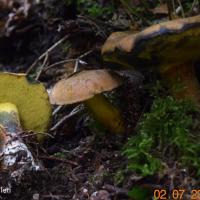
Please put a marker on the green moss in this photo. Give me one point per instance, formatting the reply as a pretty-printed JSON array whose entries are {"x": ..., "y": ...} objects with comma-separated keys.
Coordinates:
[
  {"x": 94, "y": 9},
  {"x": 164, "y": 132}
]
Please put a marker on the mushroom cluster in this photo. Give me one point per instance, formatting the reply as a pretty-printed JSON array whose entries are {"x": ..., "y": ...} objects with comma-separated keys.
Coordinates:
[{"x": 170, "y": 47}]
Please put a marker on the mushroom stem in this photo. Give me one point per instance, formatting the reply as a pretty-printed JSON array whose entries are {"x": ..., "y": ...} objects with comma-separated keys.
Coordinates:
[
  {"x": 183, "y": 76},
  {"x": 16, "y": 156},
  {"x": 105, "y": 113}
]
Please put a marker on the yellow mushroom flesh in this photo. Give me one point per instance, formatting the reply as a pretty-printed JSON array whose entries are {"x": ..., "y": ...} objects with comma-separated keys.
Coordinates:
[
  {"x": 31, "y": 100},
  {"x": 16, "y": 156}
]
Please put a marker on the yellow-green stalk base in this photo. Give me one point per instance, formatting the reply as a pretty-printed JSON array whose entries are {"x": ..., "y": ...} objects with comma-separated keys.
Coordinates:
[{"x": 105, "y": 113}]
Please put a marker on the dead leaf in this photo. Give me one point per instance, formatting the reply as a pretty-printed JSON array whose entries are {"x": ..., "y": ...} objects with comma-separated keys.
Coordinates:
[{"x": 161, "y": 9}]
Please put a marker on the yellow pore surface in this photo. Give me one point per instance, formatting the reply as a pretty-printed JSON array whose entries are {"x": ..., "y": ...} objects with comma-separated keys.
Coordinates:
[{"x": 31, "y": 100}]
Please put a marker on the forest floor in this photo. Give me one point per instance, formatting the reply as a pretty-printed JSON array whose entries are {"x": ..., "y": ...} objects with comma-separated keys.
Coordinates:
[{"x": 52, "y": 39}]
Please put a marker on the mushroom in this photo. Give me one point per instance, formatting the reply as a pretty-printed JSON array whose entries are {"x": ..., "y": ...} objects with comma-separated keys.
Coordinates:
[
  {"x": 87, "y": 86},
  {"x": 31, "y": 100},
  {"x": 171, "y": 47},
  {"x": 16, "y": 157},
  {"x": 23, "y": 105}
]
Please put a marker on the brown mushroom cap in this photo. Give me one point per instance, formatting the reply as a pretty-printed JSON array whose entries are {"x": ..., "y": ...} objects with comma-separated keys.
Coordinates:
[
  {"x": 168, "y": 43},
  {"x": 83, "y": 85},
  {"x": 31, "y": 100}
]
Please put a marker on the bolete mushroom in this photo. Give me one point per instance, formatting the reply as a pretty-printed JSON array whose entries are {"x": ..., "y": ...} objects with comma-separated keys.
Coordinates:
[
  {"x": 23, "y": 106},
  {"x": 16, "y": 157},
  {"x": 87, "y": 86},
  {"x": 30, "y": 99},
  {"x": 171, "y": 47}
]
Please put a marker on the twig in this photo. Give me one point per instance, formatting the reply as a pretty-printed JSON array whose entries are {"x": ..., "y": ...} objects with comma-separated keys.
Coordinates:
[
  {"x": 33, "y": 134},
  {"x": 193, "y": 5},
  {"x": 173, "y": 5},
  {"x": 42, "y": 67},
  {"x": 93, "y": 24},
  {"x": 79, "y": 59},
  {"x": 72, "y": 113},
  {"x": 76, "y": 60},
  {"x": 85, "y": 54},
  {"x": 141, "y": 114},
  {"x": 56, "y": 110},
  {"x": 58, "y": 159},
  {"x": 182, "y": 10},
  {"x": 59, "y": 63},
  {"x": 46, "y": 52},
  {"x": 76, "y": 65},
  {"x": 170, "y": 9}
]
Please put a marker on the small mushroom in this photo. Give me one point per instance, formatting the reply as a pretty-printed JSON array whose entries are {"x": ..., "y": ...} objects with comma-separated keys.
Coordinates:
[
  {"x": 87, "y": 86},
  {"x": 171, "y": 47},
  {"x": 23, "y": 105}
]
